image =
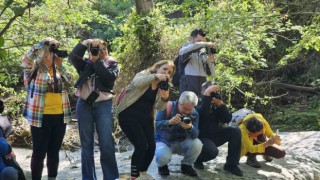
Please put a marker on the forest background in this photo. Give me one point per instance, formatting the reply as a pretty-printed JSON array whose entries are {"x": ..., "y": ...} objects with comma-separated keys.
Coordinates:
[{"x": 268, "y": 58}]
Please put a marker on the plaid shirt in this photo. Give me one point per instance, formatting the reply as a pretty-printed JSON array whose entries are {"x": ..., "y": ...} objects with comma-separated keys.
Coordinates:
[{"x": 37, "y": 89}]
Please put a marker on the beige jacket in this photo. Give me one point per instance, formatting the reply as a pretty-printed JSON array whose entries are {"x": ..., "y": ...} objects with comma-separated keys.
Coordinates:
[{"x": 138, "y": 86}]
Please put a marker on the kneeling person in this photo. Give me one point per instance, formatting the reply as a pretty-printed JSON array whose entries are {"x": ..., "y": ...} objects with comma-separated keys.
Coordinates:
[
  {"x": 177, "y": 132},
  {"x": 213, "y": 132},
  {"x": 258, "y": 138}
]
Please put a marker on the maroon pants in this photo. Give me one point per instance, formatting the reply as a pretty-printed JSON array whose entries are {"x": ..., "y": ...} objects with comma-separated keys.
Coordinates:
[{"x": 273, "y": 151}]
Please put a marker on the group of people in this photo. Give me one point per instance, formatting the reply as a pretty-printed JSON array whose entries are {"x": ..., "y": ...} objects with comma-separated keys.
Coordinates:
[
  {"x": 186, "y": 127},
  {"x": 154, "y": 125}
]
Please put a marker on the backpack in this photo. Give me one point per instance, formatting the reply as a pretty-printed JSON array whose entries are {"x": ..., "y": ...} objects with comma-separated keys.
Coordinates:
[
  {"x": 180, "y": 64},
  {"x": 121, "y": 95},
  {"x": 239, "y": 115}
]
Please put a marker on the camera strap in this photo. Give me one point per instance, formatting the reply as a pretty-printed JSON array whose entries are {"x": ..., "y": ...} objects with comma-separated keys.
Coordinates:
[{"x": 55, "y": 80}]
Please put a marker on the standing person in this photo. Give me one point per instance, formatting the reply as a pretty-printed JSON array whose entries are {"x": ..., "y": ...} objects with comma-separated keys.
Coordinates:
[
  {"x": 199, "y": 62},
  {"x": 255, "y": 133},
  {"x": 47, "y": 104},
  {"x": 147, "y": 92},
  {"x": 177, "y": 132},
  {"x": 97, "y": 75},
  {"x": 214, "y": 132}
]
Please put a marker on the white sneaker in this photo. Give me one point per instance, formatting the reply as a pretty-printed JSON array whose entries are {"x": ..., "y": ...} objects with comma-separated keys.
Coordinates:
[{"x": 145, "y": 176}]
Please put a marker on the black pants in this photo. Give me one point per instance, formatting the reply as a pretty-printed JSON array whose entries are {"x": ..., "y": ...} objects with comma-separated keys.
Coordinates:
[
  {"x": 272, "y": 151},
  {"x": 47, "y": 140},
  {"x": 140, "y": 132},
  {"x": 209, "y": 151}
]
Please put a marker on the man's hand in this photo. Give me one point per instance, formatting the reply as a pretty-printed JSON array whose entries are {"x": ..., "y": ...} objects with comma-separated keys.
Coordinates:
[
  {"x": 217, "y": 102},
  {"x": 186, "y": 126},
  {"x": 211, "y": 89},
  {"x": 175, "y": 120}
]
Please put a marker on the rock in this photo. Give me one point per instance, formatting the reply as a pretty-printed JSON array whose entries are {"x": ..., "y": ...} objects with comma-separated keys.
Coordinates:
[{"x": 301, "y": 162}]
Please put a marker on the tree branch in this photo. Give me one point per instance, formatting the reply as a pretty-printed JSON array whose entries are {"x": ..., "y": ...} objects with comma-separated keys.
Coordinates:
[
  {"x": 29, "y": 5},
  {"x": 289, "y": 86},
  {"x": 259, "y": 98}
]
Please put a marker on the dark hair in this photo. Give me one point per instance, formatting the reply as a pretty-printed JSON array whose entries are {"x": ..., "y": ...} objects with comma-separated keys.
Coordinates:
[
  {"x": 1, "y": 106},
  {"x": 196, "y": 32},
  {"x": 254, "y": 125}
]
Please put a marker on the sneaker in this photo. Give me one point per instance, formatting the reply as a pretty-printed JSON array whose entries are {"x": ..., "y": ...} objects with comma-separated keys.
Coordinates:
[
  {"x": 198, "y": 165},
  {"x": 252, "y": 161},
  {"x": 267, "y": 158},
  {"x": 164, "y": 170},
  {"x": 144, "y": 176},
  {"x": 188, "y": 170},
  {"x": 234, "y": 169}
]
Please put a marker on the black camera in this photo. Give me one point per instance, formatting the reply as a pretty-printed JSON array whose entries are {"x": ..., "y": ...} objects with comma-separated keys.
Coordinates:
[
  {"x": 212, "y": 50},
  {"x": 59, "y": 53},
  {"x": 187, "y": 119},
  {"x": 216, "y": 95},
  {"x": 94, "y": 50},
  {"x": 164, "y": 85}
]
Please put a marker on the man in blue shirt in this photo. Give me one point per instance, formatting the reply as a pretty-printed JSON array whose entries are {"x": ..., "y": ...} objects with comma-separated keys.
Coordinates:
[{"x": 177, "y": 132}]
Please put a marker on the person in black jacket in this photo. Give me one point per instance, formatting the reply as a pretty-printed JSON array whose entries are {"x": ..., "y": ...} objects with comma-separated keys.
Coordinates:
[
  {"x": 214, "y": 132},
  {"x": 97, "y": 75}
]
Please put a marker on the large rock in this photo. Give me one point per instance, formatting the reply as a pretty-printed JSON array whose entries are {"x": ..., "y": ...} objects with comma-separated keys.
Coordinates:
[{"x": 301, "y": 162}]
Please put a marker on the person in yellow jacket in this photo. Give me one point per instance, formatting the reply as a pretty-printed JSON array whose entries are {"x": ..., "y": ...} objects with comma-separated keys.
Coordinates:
[{"x": 258, "y": 138}]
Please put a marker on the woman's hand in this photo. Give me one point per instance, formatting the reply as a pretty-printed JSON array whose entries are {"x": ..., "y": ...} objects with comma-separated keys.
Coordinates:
[
  {"x": 271, "y": 141},
  {"x": 58, "y": 61},
  {"x": 162, "y": 77}
]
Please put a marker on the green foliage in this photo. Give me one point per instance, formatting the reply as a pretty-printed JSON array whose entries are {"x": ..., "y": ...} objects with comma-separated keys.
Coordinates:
[
  {"x": 139, "y": 48},
  {"x": 293, "y": 119}
]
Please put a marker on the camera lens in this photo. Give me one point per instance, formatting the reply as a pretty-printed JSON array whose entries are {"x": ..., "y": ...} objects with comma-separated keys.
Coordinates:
[
  {"x": 164, "y": 85},
  {"x": 186, "y": 120},
  {"x": 94, "y": 51}
]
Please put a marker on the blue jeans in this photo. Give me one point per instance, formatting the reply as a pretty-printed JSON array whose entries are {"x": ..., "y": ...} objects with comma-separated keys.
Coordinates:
[
  {"x": 98, "y": 115},
  {"x": 189, "y": 148},
  {"x": 9, "y": 173}
]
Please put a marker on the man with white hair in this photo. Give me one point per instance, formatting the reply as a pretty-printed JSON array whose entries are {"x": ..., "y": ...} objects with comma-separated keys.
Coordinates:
[{"x": 177, "y": 132}]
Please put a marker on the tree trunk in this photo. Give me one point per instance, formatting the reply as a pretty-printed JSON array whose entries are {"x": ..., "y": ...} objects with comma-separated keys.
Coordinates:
[{"x": 144, "y": 6}]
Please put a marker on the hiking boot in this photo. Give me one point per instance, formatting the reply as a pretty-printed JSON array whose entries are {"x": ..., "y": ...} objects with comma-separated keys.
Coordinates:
[
  {"x": 188, "y": 170},
  {"x": 145, "y": 176},
  {"x": 164, "y": 170},
  {"x": 252, "y": 161},
  {"x": 198, "y": 165},
  {"x": 267, "y": 158},
  {"x": 234, "y": 169}
]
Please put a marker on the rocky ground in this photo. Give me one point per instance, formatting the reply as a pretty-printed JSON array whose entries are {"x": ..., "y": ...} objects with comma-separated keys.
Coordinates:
[{"x": 302, "y": 162}]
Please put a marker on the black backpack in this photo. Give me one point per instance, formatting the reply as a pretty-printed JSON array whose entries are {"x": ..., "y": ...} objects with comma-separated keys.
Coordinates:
[{"x": 180, "y": 65}]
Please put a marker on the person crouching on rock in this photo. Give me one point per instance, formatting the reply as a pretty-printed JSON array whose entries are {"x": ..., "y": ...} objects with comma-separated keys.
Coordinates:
[
  {"x": 177, "y": 132},
  {"x": 258, "y": 138}
]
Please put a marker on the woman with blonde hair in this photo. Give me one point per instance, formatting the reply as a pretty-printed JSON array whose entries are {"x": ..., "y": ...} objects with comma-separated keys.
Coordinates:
[
  {"x": 47, "y": 103},
  {"x": 148, "y": 91}
]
